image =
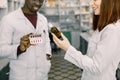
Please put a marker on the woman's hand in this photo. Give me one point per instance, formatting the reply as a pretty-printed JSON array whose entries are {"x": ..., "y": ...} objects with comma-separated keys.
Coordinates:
[{"x": 63, "y": 44}]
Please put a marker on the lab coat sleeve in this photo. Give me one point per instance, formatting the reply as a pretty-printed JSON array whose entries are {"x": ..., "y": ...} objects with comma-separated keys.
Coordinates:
[
  {"x": 7, "y": 49},
  {"x": 106, "y": 52}
]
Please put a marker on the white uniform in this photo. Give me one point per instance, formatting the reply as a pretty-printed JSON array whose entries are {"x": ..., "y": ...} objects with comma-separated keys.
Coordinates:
[
  {"x": 32, "y": 64},
  {"x": 103, "y": 54}
]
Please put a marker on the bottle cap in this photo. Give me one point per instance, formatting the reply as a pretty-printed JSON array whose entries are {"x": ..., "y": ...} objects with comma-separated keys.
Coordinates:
[{"x": 50, "y": 25}]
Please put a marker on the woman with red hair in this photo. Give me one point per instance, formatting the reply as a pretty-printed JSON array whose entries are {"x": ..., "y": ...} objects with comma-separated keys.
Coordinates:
[{"x": 103, "y": 55}]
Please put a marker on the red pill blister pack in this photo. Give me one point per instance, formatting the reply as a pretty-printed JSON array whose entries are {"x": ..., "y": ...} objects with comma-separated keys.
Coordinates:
[{"x": 35, "y": 39}]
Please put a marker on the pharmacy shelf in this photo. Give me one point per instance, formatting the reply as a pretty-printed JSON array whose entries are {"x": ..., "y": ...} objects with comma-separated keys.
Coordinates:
[{"x": 64, "y": 13}]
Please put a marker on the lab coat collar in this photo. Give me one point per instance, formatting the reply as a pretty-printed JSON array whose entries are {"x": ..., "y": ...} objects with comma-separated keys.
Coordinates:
[
  {"x": 21, "y": 14},
  {"x": 22, "y": 17},
  {"x": 118, "y": 22}
]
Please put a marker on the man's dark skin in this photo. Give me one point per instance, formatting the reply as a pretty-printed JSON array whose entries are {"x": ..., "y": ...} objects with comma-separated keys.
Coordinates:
[{"x": 30, "y": 7}]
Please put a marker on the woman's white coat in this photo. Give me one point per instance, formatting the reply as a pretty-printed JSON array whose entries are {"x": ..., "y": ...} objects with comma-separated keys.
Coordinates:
[{"x": 103, "y": 54}]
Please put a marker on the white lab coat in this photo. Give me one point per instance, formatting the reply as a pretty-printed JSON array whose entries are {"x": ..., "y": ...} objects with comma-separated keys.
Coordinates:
[
  {"x": 32, "y": 64},
  {"x": 103, "y": 54}
]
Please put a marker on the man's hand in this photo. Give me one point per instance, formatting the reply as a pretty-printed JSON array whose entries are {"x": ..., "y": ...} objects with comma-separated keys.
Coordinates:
[
  {"x": 25, "y": 42},
  {"x": 48, "y": 56}
]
